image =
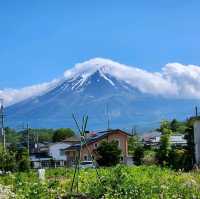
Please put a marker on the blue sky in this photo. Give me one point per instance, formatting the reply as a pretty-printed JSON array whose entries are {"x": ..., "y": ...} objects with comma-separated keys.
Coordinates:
[{"x": 41, "y": 39}]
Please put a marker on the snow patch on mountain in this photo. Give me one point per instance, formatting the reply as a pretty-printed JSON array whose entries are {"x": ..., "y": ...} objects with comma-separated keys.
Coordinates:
[
  {"x": 146, "y": 82},
  {"x": 175, "y": 80}
]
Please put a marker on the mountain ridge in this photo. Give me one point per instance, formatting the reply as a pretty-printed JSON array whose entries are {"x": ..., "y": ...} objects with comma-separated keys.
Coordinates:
[{"x": 91, "y": 88}]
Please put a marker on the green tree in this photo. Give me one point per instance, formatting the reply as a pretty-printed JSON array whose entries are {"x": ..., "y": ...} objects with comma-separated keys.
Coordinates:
[
  {"x": 136, "y": 149},
  {"x": 22, "y": 159},
  {"x": 138, "y": 155},
  {"x": 189, "y": 136},
  {"x": 133, "y": 143},
  {"x": 62, "y": 134},
  {"x": 7, "y": 160},
  {"x": 165, "y": 147},
  {"x": 108, "y": 154},
  {"x": 12, "y": 136}
]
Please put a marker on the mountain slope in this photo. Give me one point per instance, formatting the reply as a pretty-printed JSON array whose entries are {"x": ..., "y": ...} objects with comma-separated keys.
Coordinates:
[{"x": 97, "y": 90}]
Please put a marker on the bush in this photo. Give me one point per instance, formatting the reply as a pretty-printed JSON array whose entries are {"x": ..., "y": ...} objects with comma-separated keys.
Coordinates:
[
  {"x": 138, "y": 155},
  {"x": 108, "y": 154}
]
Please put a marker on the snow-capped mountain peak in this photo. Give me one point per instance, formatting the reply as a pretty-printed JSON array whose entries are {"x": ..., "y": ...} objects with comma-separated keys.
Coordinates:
[{"x": 87, "y": 68}]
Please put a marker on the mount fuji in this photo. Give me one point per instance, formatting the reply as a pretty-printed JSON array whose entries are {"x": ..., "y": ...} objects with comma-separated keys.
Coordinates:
[{"x": 103, "y": 90}]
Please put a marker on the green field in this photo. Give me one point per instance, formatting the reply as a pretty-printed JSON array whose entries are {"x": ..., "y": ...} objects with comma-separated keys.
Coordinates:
[{"x": 119, "y": 182}]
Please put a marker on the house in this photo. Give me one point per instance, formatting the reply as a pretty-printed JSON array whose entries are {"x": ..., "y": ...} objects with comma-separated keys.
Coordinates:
[
  {"x": 93, "y": 140},
  {"x": 52, "y": 154},
  {"x": 154, "y": 139},
  {"x": 40, "y": 160},
  {"x": 56, "y": 151},
  {"x": 196, "y": 126}
]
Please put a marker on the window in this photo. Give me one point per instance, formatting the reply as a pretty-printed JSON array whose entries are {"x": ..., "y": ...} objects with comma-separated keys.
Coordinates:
[
  {"x": 85, "y": 157},
  {"x": 95, "y": 145},
  {"x": 62, "y": 152},
  {"x": 117, "y": 141}
]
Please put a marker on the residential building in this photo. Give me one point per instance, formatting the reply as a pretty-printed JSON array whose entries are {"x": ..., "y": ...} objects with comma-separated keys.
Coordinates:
[
  {"x": 40, "y": 160},
  {"x": 197, "y": 139},
  {"x": 93, "y": 140},
  {"x": 154, "y": 139},
  {"x": 52, "y": 154}
]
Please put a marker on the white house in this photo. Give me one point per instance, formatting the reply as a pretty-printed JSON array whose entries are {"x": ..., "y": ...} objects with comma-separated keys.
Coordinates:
[
  {"x": 56, "y": 151},
  {"x": 197, "y": 140},
  {"x": 154, "y": 140},
  {"x": 40, "y": 160}
]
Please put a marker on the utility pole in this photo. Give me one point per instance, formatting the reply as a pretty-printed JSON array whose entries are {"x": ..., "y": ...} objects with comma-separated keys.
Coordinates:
[
  {"x": 2, "y": 124},
  {"x": 27, "y": 129},
  {"x": 108, "y": 118},
  {"x": 134, "y": 130},
  {"x": 196, "y": 111}
]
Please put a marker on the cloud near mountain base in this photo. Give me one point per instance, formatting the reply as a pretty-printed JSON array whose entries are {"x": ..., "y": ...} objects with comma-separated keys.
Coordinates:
[{"x": 175, "y": 80}]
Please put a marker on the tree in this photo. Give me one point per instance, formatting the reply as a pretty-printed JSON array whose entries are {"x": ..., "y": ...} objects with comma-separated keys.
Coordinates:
[
  {"x": 7, "y": 160},
  {"x": 108, "y": 154},
  {"x": 165, "y": 147},
  {"x": 164, "y": 125},
  {"x": 22, "y": 159},
  {"x": 133, "y": 143},
  {"x": 180, "y": 159},
  {"x": 11, "y": 135},
  {"x": 189, "y": 136},
  {"x": 136, "y": 149},
  {"x": 138, "y": 155},
  {"x": 62, "y": 134}
]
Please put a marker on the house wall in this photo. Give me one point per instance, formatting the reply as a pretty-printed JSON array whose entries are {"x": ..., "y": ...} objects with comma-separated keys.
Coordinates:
[
  {"x": 197, "y": 140},
  {"x": 54, "y": 151},
  {"x": 120, "y": 137}
]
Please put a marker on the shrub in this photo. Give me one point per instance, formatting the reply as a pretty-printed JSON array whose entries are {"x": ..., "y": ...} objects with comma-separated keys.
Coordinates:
[{"x": 108, "y": 154}]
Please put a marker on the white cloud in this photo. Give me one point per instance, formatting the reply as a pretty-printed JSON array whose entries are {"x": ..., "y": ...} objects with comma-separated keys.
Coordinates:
[
  {"x": 174, "y": 80},
  {"x": 12, "y": 96},
  {"x": 145, "y": 81}
]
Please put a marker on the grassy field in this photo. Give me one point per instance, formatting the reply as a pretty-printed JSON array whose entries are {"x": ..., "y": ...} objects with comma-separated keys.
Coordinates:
[{"x": 120, "y": 182}]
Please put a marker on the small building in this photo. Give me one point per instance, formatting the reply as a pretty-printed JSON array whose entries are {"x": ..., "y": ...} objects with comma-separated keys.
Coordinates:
[
  {"x": 51, "y": 154},
  {"x": 56, "y": 151},
  {"x": 197, "y": 139},
  {"x": 154, "y": 139},
  {"x": 93, "y": 140},
  {"x": 40, "y": 160}
]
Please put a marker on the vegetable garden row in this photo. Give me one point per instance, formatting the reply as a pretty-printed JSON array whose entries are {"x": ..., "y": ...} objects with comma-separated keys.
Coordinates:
[{"x": 143, "y": 182}]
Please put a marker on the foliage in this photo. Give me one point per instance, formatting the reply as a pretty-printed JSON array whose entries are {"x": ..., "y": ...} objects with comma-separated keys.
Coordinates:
[
  {"x": 62, "y": 134},
  {"x": 120, "y": 182},
  {"x": 180, "y": 159},
  {"x": 174, "y": 125},
  {"x": 165, "y": 146},
  {"x": 14, "y": 160},
  {"x": 109, "y": 154},
  {"x": 136, "y": 149},
  {"x": 138, "y": 155},
  {"x": 7, "y": 161},
  {"x": 174, "y": 156},
  {"x": 149, "y": 157},
  {"x": 133, "y": 143},
  {"x": 40, "y": 135},
  {"x": 11, "y": 135},
  {"x": 22, "y": 158}
]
